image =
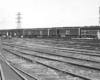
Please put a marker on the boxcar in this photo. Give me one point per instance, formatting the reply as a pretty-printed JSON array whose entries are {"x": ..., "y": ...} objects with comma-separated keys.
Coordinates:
[
  {"x": 31, "y": 32},
  {"x": 27, "y": 33},
  {"x": 69, "y": 31},
  {"x": 3, "y": 33},
  {"x": 45, "y": 32},
  {"x": 53, "y": 32},
  {"x": 36, "y": 32},
  {"x": 15, "y": 32},
  {"x": 90, "y": 32}
]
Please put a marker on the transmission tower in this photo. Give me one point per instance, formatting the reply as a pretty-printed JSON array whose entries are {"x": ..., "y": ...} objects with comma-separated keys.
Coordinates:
[{"x": 19, "y": 20}]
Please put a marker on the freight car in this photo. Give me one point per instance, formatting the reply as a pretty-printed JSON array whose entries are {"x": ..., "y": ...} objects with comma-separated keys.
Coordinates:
[
  {"x": 4, "y": 33},
  {"x": 90, "y": 32},
  {"x": 53, "y": 32},
  {"x": 15, "y": 32},
  {"x": 45, "y": 32},
  {"x": 61, "y": 31},
  {"x": 69, "y": 32},
  {"x": 32, "y": 32},
  {"x": 11, "y": 33}
]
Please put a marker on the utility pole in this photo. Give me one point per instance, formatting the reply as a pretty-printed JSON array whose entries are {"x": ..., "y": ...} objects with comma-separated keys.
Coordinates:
[
  {"x": 19, "y": 20},
  {"x": 99, "y": 15},
  {"x": 98, "y": 32}
]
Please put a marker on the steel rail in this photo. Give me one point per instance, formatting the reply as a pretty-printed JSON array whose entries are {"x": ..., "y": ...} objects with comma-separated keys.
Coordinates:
[
  {"x": 16, "y": 70},
  {"x": 72, "y": 74}
]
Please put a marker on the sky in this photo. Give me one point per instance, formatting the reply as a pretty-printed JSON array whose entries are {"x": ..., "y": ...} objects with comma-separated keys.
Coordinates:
[{"x": 49, "y": 13}]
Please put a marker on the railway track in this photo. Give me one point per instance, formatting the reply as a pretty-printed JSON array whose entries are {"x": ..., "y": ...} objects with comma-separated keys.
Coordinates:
[
  {"x": 60, "y": 43},
  {"x": 25, "y": 51},
  {"x": 1, "y": 74},
  {"x": 72, "y": 43},
  {"x": 12, "y": 70},
  {"x": 71, "y": 59},
  {"x": 92, "y": 57},
  {"x": 70, "y": 50},
  {"x": 51, "y": 67},
  {"x": 72, "y": 76},
  {"x": 60, "y": 48},
  {"x": 49, "y": 59},
  {"x": 21, "y": 75}
]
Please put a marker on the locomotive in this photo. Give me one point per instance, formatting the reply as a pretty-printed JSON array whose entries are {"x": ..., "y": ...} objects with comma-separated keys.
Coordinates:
[{"x": 72, "y": 32}]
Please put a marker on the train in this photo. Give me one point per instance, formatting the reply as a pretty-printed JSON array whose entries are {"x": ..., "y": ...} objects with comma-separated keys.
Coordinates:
[{"x": 69, "y": 32}]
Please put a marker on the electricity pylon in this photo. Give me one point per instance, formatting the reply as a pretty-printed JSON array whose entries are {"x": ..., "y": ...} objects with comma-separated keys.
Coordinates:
[{"x": 19, "y": 20}]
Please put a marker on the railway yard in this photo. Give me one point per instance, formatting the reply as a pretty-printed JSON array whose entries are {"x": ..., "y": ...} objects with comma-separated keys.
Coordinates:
[{"x": 49, "y": 59}]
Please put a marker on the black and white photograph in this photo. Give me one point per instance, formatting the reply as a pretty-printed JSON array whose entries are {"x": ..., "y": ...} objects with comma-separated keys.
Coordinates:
[{"x": 49, "y": 39}]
